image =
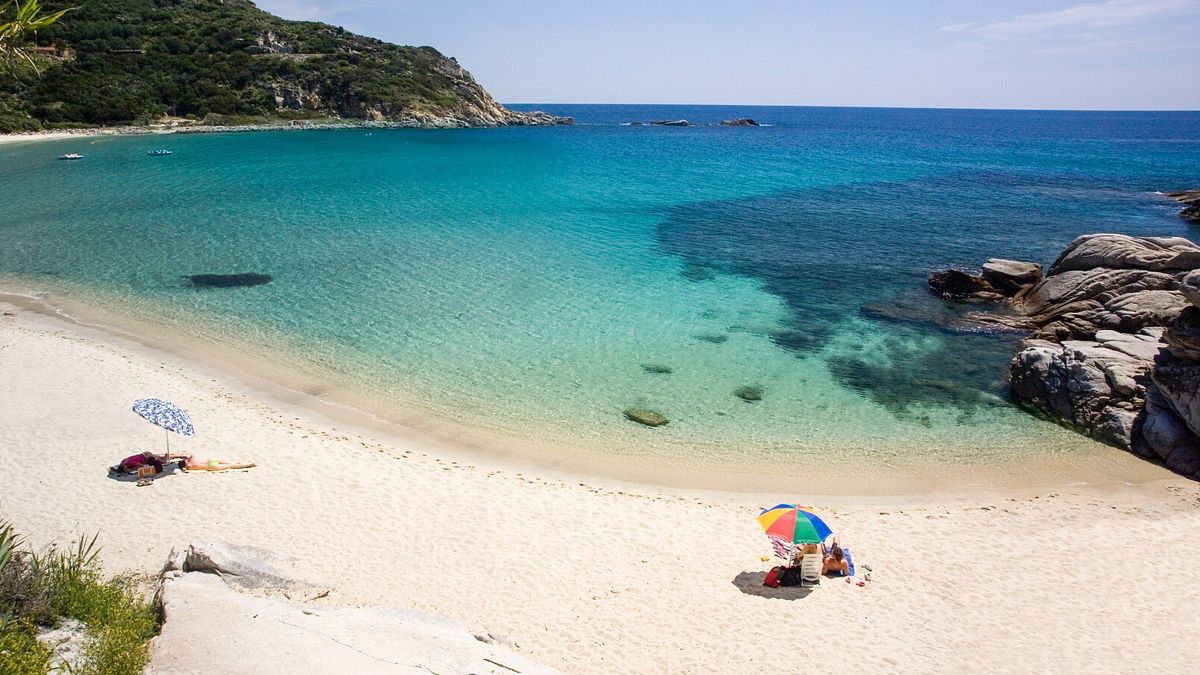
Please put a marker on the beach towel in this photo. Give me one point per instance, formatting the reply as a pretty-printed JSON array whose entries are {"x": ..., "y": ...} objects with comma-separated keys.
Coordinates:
[
  {"x": 782, "y": 550},
  {"x": 849, "y": 560}
]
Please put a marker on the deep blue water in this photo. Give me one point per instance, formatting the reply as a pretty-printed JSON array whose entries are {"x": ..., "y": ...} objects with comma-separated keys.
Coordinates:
[{"x": 520, "y": 279}]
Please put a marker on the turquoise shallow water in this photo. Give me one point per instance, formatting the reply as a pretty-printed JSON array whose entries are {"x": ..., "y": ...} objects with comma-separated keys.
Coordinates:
[{"x": 520, "y": 279}]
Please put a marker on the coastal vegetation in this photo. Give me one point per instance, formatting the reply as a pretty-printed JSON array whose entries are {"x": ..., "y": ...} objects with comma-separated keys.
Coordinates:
[
  {"x": 137, "y": 61},
  {"x": 64, "y": 587}
]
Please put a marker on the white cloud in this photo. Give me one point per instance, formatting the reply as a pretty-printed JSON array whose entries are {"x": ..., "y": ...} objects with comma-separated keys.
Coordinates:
[
  {"x": 954, "y": 28},
  {"x": 1098, "y": 15}
]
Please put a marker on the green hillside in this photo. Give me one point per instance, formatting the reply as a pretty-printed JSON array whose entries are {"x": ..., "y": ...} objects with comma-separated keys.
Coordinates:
[{"x": 126, "y": 61}]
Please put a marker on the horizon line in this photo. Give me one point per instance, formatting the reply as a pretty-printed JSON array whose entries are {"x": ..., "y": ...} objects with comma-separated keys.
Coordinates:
[{"x": 869, "y": 107}]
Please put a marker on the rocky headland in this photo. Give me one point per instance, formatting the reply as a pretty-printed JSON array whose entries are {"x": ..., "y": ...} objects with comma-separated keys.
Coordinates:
[
  {"x": 228, "y": 63},
  {"x": 1113, "y": 345}
]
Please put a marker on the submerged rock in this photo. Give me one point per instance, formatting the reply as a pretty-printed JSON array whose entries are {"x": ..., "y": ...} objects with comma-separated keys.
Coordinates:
[
  {"x": 645, "y": 416},
  {"x": 750, "y": 392},
  {"x": 229, "y": 280},
  {"x": 658, "y": 369},
  {"x": 715, "y": 338}
]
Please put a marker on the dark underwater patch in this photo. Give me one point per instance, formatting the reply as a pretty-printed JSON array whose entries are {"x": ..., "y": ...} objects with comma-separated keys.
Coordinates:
[{"x": 862, "y": 252}]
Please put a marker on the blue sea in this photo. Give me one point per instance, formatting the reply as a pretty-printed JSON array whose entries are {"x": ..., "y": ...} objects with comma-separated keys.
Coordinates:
[{"x": 530, "y": 284}]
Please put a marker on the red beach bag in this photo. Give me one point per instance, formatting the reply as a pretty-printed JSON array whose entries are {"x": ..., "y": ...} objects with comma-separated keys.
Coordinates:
[{"x": 773, "y": 577}]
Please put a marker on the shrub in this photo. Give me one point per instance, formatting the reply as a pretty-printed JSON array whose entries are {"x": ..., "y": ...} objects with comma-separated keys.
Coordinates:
[{"x": 41, "y": 589}]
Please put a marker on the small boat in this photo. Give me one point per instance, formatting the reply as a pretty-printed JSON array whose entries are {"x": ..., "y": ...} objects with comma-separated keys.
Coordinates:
[
  {"x": 72, "y": 155},
  {"x": 159, "y": 153}
]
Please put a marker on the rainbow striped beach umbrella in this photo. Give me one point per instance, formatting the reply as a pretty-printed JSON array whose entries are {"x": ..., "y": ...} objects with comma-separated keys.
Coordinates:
[{"x": 793, "y": 524}]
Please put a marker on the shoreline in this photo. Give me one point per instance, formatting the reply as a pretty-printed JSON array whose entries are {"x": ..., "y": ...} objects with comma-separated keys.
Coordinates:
[
  {"x": 282, "y": 383},
  {"x": 582, "y": 575},
  {"x": 161, "y": 130}
]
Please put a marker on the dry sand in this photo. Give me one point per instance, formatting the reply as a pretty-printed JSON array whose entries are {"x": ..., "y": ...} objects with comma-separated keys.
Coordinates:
[{"x": 588, "y": 575}]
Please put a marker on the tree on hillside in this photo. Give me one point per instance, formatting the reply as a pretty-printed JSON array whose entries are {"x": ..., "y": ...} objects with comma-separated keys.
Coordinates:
[{"x": 20, "y": 20}]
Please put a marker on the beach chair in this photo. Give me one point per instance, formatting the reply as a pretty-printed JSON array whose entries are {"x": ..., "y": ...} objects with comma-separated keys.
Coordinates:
[{"x": 810, "y": 569}]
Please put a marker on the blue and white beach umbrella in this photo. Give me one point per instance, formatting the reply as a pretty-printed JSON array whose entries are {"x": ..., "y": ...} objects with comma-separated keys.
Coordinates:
[{"x": 166, "y": 415}]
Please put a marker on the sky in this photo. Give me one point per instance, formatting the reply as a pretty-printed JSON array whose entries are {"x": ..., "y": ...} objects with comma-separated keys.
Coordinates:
[{"x": 1107, "y": 55}]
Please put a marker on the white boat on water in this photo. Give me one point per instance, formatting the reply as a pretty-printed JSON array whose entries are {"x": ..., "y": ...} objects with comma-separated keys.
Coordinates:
[{"x": 72, "y": 155}]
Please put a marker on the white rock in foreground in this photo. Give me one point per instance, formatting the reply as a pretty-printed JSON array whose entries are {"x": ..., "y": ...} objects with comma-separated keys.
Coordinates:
[{"x": 210, "y": 628}]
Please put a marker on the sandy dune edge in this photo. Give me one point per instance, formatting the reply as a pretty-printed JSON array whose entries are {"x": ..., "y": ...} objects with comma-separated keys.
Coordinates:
[{"x": 587, "y": 576}]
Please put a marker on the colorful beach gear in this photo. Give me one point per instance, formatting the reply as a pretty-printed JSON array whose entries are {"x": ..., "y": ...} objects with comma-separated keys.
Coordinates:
[
  {"x": 166, "y": 415},
  {"x": 793, "y": 524}
]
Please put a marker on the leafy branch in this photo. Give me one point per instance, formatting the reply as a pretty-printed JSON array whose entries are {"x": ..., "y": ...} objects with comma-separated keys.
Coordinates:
[{"x": 27, "y": 20}]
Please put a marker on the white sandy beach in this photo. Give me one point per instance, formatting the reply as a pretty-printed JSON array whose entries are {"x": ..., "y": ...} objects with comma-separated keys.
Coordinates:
[{"x": 588, "y": 575}]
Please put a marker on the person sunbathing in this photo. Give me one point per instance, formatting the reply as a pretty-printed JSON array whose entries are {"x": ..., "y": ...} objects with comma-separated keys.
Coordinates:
[
  {"x": 191, "y": 463},
  {"x": 147, "y": 460},
  {"x": 836, "y": 563}
]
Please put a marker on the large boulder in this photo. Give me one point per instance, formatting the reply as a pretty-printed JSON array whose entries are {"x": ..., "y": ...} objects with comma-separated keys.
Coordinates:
[
  {"x": 1179, "y": 384},
  {"x": 1183, "y": 337},
  {"x": 1085, "y": 290},
  {"x": 1127, "y": 313},
  {"x": 1189, "y": 286},
  {"x": 1010, "y": 276},
  {"x": 1167, "y": 437},
  {"x": 1120, "y": 251},
  {"x": 1094, "y": 387}
]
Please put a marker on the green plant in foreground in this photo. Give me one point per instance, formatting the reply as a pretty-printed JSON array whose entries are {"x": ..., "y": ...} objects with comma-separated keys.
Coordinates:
[
  {"x": 27, "y": 19},
  {"x": 42, "y": 589}
]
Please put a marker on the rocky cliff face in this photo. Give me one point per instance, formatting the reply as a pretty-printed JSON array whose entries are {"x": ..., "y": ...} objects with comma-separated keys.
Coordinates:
[
  {"x": 1114, "y": 350},
  {"x": 469, "y": 105}
]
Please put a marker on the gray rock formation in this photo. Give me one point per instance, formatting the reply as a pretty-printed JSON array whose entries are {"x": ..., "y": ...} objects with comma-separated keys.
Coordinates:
[
  {"x": 1097, "y": 388},
  {"x": 1010, "y": 276},
  {"x": 1191, "y": 204},
  {"x": 1166, "y": 437},
  {"x": 1183, "y": 338},
  {"x": 1116, "y": 349},
  {"x": 740, "y": 122},
  {"x": 1120, "y": 251},
  {"x": 1082, "y": 290},
  {"x": 671, "y": 123},
  {"x": 1189, "y": 286}
]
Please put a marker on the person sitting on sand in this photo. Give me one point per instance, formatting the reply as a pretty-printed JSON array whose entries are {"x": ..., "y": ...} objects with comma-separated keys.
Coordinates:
[
  {"x": 807, "y": 549},
  {"x": 836, "y": 563},
  {"x": 191, "y": 463}
]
